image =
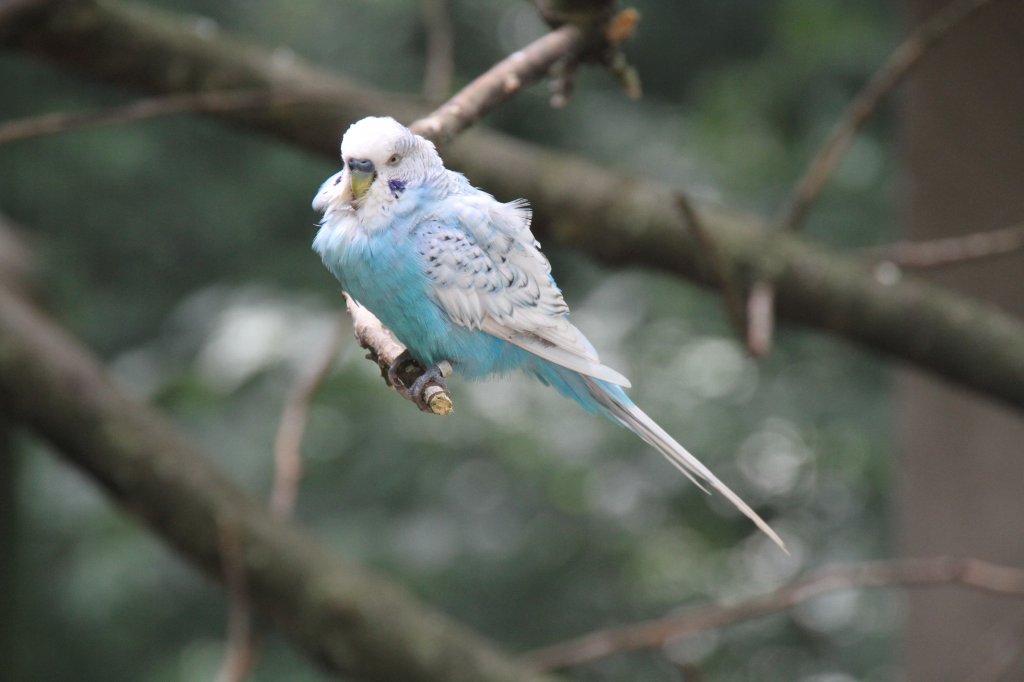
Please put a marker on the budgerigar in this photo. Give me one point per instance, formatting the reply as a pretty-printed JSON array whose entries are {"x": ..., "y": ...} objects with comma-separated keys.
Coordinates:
[{"x": 458, "y": 276}]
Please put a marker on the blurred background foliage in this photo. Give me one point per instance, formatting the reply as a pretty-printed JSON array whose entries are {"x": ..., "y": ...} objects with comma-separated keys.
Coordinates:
[{"x": 180, "y": 250}]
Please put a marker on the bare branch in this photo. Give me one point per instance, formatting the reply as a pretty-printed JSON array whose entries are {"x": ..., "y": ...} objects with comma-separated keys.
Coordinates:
[
  {"x": 292, "y": 428},
  {"x": 386, "y": 351},
  {"x": 725, "y": 281},
  {"x": 760, "y": 318},
  {"x": 938, "y": 253},
  {"x": 895, "y": 69},
  {"x": 498, "y": 84},
  {"x": 929, "y": 572}
]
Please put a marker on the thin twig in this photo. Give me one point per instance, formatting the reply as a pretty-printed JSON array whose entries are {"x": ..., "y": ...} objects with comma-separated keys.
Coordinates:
[
  {"x": 240, "y": 652},
  {"x": 895, "y": 69},
  {"x": 152, "y": 107},
  {"x": 292, "y": 427},
  {"x": 760, "y": 318},
  {"x": 732, "y": 296},
  {"x": 439, "y": 69},
  {"x": 498, "y": 84},
  {"x": 242, "y": 646},
  {"x": 972, "y": 573},
  {"x": 937, "y": 253}
]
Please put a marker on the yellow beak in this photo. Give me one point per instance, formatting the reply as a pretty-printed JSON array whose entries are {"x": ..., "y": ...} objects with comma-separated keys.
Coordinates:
[{"x": 361, "y": 176}]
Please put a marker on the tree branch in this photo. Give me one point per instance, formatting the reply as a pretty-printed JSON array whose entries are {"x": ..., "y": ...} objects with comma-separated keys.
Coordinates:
[
  {"x": 292, "y": 427},
  {"x": 385, "y": 351},
  {"x": 946, "y": 251},
  {"x": 496, "y": 85},
  {"x": 652, "y": 634},
  {"x": 352, "y": 623},
  {"x": 153, "y": 107},
  {"x": 896, "y": 68},
  {"x": 959, "y": 338}
]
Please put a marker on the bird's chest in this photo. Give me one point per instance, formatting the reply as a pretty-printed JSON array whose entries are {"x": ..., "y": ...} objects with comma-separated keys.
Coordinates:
[{"x": 384, "y": 272}]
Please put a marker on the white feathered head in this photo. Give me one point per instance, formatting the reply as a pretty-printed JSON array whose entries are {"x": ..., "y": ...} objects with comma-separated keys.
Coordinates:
[{"x": 381, "y": 158}]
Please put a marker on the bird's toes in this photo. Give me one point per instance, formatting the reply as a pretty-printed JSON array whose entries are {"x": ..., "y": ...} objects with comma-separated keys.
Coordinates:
[
  {"x": 418, "y": 389},
  {"x": 395, "y": 372}
]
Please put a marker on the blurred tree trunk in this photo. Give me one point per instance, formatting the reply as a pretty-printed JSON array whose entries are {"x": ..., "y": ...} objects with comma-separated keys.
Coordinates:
[{"x": 962, "y": 484}]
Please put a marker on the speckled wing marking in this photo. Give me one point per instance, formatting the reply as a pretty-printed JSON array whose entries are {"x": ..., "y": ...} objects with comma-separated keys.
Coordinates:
[{"x": 490, "y": 274}]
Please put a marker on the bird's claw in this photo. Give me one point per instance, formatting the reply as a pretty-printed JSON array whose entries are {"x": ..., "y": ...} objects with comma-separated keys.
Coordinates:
[
  {"x": 428, "y": 390},
  {"x": 417, "y": 392},
  {"x": 395, "y": 371}
]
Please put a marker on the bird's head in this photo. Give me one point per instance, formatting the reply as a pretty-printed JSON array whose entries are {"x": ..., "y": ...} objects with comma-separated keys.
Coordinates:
[{"x": 380, "y": 158}]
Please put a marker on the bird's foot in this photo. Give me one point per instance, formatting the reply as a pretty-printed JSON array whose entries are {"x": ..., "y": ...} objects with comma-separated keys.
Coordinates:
[
  {"x": 427, "y": 387},
  {"x": 395, "y": 371},
  {"x": 428, "y": 390}
]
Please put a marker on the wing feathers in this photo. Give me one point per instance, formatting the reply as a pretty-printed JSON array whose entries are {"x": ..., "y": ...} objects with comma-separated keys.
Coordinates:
[
  {"x": 490, "y": 274},
  {"x": 560, "y": 355}
]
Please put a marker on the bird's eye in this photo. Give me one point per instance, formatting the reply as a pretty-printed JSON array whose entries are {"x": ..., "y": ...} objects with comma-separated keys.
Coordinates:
[{"x": 395, "y": 158}]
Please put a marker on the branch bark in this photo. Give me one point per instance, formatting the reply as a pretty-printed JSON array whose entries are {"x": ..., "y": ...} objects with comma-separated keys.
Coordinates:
[
  {"x": 956, "y": 337},
  {"x": 349, "y": 621}
]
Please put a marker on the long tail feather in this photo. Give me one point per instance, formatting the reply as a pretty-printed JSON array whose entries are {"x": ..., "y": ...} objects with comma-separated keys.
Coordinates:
[{"x": 616, "y": 404}]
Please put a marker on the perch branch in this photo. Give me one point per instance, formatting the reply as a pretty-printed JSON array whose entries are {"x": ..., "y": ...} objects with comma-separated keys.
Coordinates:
[
  {"x": 385, "y": 351},
  {"x": 350, "y": 622},
  {"x": 928, "y": 572},
  {"x": 957, "y": 337}
]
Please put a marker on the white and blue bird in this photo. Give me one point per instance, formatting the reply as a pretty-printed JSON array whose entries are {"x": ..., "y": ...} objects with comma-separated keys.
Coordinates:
[{"x": 458, "y": 277}]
